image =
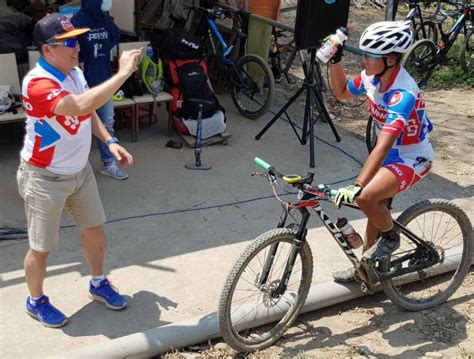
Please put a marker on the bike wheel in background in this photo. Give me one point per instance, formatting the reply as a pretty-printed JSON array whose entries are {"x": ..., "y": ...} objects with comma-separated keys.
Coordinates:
[
  {"x": 431, "y": 33},
  {"x": 449, "y": 8},
  {"x": 370, "y": 134},
  {"x": 466, "y": 57},
  {"x": 417, "y": 60},
  {"x": 447, "y": 228},
  {"x": 251, "y": 316},
  {"x": 253, "y": 86}
]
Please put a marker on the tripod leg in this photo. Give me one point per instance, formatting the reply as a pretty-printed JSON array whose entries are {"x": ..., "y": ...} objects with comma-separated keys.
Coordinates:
[
  {"x": 312, "y": 97},
  {"x": 307, "y": 111},
  {"x": 279, "y": 113}
]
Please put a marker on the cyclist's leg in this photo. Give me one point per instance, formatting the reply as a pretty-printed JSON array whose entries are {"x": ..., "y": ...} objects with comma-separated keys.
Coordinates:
[
  {"x": 372, "y": 202},
  {"x": 373, "y": 198}
]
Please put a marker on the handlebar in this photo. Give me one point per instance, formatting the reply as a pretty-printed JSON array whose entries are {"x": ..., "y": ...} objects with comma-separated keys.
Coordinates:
[{"x": 303, "y": 183}]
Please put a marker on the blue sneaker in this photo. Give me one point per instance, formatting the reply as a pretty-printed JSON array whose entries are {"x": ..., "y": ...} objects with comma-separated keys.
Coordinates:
[
  {"x": 46, "y": 313},
  {"x": 107, "y": 294}
]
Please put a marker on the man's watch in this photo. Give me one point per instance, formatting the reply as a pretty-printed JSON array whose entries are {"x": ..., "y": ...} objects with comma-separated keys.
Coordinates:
[{"x": 112, "y": 140}]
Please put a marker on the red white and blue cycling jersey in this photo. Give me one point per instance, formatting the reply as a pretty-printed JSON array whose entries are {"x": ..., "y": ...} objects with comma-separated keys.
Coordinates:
[
  {"x": 400, "y": 110},
  {"x": 58, "y": 143}
]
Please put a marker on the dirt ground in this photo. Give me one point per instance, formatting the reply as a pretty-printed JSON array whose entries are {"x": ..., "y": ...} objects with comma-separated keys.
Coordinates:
[{"x": 372, "y": 326}]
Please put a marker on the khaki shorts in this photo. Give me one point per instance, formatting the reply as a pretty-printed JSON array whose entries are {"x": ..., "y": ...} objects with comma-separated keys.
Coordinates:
[{"x": 47, "y": 194}]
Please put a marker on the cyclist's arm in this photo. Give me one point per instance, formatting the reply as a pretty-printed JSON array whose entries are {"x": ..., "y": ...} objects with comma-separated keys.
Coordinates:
[
  {"x": 376, "y": 158},
  {"x": 98, "y": 128},
  {"x": 90, "y": 100},
  {"x": 339, "y": 82}
]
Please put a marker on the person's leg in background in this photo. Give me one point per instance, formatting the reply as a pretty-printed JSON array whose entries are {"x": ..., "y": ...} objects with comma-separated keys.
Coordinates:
[{"x": 106, "y": 115}]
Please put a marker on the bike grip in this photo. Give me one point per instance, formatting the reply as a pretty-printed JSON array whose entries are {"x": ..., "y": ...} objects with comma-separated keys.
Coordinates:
[
  {"x": 333, "y": 192},
  {"x": 262, "y": 163}
]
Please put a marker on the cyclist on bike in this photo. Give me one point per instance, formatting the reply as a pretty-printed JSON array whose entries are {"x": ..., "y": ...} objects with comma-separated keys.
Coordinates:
[{"x": 403, "y": 153}]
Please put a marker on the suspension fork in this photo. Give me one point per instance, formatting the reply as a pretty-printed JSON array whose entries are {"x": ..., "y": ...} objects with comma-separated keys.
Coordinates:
[{"x": 295, "y": 249}]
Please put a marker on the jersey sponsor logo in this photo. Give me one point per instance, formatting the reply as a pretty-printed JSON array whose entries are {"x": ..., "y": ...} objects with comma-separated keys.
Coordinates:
[
  {"x": 54, "y": 94},
  {"x": 396, "y": 98},
  {"x": 376, "y": 112},
  {"x": 98, "y": 35}
]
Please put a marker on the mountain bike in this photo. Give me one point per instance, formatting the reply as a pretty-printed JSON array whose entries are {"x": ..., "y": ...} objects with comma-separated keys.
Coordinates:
[
  {"x": 429, "y": 8},
  {"x": 423, "y": 57},
  {"x": 268, "y": 285},
  {"x": 249, "y": 78}
]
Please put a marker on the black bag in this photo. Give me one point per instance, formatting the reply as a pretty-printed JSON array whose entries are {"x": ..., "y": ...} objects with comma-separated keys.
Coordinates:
[
  {"x": 193, "y": 85},
  {"x": 181, "y": 45}
]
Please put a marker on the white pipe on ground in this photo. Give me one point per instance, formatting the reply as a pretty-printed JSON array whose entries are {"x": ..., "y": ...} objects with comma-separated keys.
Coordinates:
[{"x": 197, "y": 330}]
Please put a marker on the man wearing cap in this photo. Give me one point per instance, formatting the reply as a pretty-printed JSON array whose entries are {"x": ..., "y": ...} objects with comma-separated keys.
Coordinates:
[{"x": 54, "y": 172}]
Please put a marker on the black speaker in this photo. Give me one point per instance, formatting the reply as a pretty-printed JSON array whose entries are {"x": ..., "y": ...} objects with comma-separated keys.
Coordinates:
[{"x": 316, "y": 19}]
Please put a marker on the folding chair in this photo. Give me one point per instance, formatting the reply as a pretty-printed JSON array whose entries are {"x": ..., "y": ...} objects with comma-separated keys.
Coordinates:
[{"x": 9, "y": 76}]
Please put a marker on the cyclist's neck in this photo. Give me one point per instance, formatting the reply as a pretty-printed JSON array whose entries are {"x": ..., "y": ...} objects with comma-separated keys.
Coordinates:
[{"x": 387, "y": 79}]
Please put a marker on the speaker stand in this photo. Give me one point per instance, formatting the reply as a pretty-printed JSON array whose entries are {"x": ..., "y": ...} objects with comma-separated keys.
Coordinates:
[{"x": 314, "y": 101}]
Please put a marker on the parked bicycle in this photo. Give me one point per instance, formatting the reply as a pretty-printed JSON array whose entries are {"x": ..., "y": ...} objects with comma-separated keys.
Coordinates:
[
  {"x": 423, "y": 57},
  {"x": 429, "y": 8},
  {"x": 283, "y": 56},
  {"x": 249, "y": 78},
  {"x": 267, "y": 287}
]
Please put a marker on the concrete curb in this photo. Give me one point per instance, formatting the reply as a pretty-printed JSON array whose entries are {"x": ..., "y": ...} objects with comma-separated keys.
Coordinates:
[{"x": 197, "y": 330}]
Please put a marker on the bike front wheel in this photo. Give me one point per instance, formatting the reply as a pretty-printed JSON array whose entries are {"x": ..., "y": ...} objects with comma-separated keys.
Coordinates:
[
  {"x": 445, "y": 227},
  {"x": 253, "y": 86},
  {"x": 418, "y": 60},
  {"x": 430, "y": 31},
  {"x": 251, "y": 315}
]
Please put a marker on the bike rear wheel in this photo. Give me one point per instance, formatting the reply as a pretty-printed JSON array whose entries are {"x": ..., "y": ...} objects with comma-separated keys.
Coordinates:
[
  {"x": 446, "y": 227},
  {"x": 253, "y": 86},
  {"x": 244, "y": 304},
  {"x": 466, "y": 57},
  {"x": 418, "y": 60},
  {"x": 370, "y": 134}
]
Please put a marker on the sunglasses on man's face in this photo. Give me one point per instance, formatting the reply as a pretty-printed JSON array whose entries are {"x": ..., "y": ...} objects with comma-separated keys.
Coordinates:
[
  {"x": 71, "y": 43},
  {"x": 368, "y": 55}
]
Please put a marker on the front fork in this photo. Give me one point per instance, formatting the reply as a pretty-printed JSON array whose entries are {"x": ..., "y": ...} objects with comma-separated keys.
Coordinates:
[{"x": 298, "y": 243}]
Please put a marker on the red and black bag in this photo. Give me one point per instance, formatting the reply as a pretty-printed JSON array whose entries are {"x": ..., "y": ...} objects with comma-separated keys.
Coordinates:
[{"x": 188, "y": 79}]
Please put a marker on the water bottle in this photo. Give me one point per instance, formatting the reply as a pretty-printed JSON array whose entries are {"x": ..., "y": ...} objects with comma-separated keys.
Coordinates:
[
  {"x": 349, "y": 233},
  {"x": 149, "y": 51},
  {"x": 329, "y": 47}
]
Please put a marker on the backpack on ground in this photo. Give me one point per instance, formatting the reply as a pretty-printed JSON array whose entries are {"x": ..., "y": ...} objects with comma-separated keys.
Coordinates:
[{"x": 188, "y": 80}]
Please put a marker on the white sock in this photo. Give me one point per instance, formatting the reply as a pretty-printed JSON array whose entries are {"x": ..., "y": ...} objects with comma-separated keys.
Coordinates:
[
  {"x": 95, "y": 280},
  {"x": 34, "y": 299}
]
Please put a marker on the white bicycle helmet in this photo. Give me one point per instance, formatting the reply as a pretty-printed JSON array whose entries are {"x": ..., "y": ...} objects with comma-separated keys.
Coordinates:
[{"x": 385, "y": 37}]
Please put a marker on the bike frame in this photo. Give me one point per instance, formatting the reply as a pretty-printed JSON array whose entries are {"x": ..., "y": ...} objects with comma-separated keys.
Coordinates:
[
  {"x": 226, "y": 49},
  {"x": 225, "y": 59},
  {"x": 370, "y": 275},
  {"x": 415, "y": 11}
]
